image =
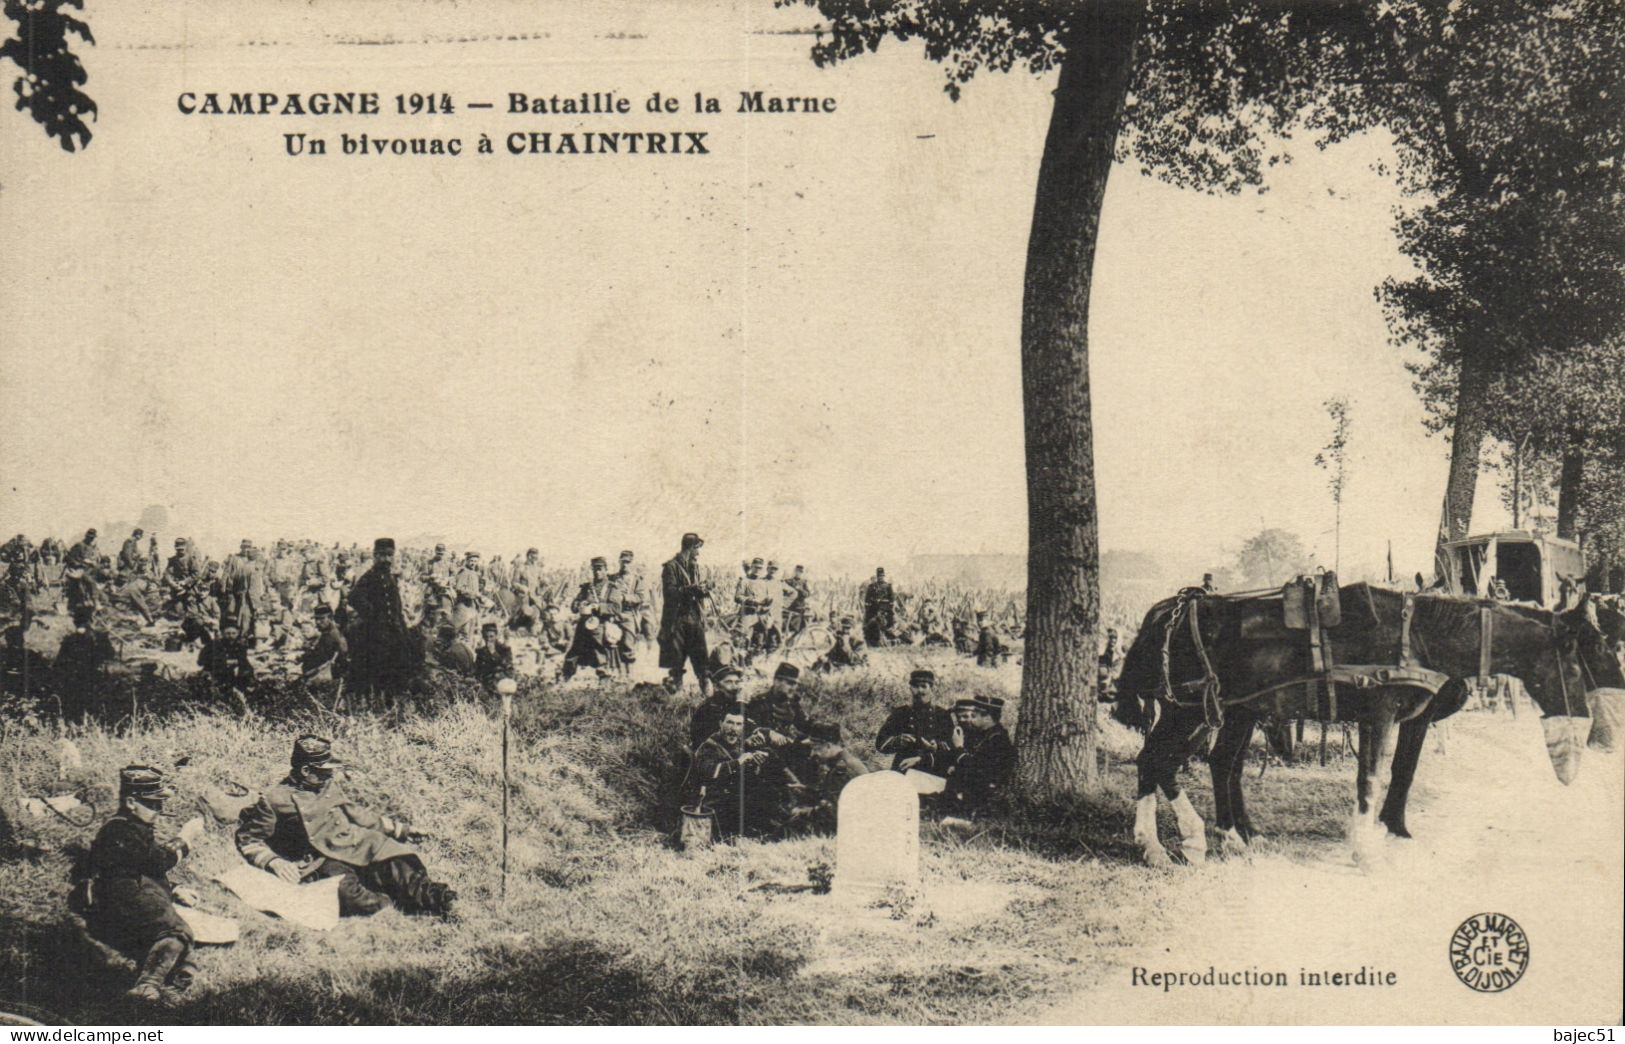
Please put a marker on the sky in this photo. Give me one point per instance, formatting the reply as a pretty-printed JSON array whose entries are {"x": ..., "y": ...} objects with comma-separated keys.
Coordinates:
[{"x": 803, "y": 345}]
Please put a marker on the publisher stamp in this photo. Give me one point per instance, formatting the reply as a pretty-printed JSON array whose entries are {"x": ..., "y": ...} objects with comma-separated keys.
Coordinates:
[{"x": 1489, "y": 952}]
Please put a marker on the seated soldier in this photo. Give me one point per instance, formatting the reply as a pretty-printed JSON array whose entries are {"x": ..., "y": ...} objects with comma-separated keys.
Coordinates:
[
  {"x": 978, "y": 762},
  {"x": 330, "y": 651},
  {"x": 831, "y": 768},
  {"x": 130, "y": 905},
  {"x": 306, "y": 828},
  {"x": 79, "y": 674},
  {"x": 746, "y": 788},
  {"x": 225, "y": 659},
  {"x": 493, "y": 660},
  {"x": 23, "y": 672},
  {"x": 846, "y": 651},
  {"x": 723, "y": 698},
  {"x": 785, "y": 691},
  {"x": 919, "y": 729}
]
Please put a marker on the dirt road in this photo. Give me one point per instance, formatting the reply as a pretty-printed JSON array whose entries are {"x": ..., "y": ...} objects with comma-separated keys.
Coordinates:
[{"x": 1494, "y": 832}]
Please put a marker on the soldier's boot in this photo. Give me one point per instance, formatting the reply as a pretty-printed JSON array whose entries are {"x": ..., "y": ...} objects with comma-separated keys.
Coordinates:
[
  {"x": 185, "y": 973},
  {"x": 155, "y": 968},
  {"x": 357, "y": 900}
]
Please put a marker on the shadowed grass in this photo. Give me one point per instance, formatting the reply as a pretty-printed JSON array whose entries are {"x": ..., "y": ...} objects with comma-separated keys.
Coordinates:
[{"x": 604, "y": 921}]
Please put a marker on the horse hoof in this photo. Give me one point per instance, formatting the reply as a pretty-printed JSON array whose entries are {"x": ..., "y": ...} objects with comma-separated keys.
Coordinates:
[
  {"x": 1194, "y": 856},
  {"x": 1157, "y": 859},
  {"x": 1232, "y": 843}
]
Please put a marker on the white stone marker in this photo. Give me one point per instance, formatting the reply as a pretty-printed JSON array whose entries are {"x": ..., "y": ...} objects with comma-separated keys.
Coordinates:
[{"x": 877, "y": 836}]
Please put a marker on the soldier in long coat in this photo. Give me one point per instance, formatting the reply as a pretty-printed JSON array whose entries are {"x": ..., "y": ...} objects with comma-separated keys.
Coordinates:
[
  {"x": 383, "y": 654},
  {"x": 307, "y": 828},
  {"x": 682, "y": 615}
]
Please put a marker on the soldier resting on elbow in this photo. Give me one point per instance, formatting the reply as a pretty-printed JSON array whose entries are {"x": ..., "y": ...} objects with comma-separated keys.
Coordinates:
[{"x": 305, "y": 829}]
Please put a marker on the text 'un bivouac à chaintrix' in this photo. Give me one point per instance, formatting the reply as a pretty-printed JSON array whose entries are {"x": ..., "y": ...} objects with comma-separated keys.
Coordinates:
[{"x": 669, "y": 137}]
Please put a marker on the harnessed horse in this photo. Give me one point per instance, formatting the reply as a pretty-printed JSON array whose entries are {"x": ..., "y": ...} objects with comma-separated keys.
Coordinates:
[{"x": 1209, "y": 668}]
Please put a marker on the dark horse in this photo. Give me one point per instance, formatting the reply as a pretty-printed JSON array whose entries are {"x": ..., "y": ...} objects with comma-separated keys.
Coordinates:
[{"x": 1392, "y": 659}]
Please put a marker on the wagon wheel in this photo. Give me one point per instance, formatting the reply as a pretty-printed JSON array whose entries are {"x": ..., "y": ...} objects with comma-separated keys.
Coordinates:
[{"x": 808, "y": 644}]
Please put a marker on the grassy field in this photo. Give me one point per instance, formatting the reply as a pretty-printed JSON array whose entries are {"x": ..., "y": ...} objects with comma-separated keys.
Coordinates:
[{"x": 604, "y": 920}]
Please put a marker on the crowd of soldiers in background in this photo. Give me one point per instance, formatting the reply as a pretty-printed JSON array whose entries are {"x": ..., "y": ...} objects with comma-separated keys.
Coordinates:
[{"x": 376, "y": 620}]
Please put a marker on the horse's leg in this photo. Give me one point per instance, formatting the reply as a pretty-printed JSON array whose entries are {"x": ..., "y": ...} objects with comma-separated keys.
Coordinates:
[
  {"x": 1192, "y": 827},
  {"x": 1238, "y": 805},
  {"x": 1148, "y": 764},
  {"x": 1222, "y": 761},
  {"x": 1362, "y": 777},
  {"x": 1373, "y": 756},
  {"x": 1407, "y": 754},
  {"x": 1219, "y": 766}
]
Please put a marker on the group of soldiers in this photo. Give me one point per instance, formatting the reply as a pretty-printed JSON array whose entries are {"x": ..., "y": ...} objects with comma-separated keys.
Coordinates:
[
  {"x": 305, "y": 827},
  {"x": 764, "y": 768}
]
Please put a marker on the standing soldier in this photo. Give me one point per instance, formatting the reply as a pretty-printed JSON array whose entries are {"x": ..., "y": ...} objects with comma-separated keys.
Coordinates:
[
  {"x": 596, "y": 605},
  {"x": 879, "y": 609},
  {"x": 798, "y": 595},
  {"x": 287, "y": 568},
  {"x": 527, "y": 575},
  {"x": 919, "y": 729},
  {"x": 469, "y": 591},
  {"x": 633, "y": 599},
  {"x": 237, "y": 585},
  {"x": 750, "y": 596},
  {"x": 682, "y": 619},
  {"x": 772, "y": 588},
  {"x": 131, "y": 905},
  {"x": 383, "y": 655}
]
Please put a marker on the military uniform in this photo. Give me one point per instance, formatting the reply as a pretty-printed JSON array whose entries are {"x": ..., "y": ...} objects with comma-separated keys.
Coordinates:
[
  {"x": 682, "y": 615},
  {"x": 632, "y": 599},
  {"x": 978, "y": 773},
  {"x": 879, "y": 612},
  {"x": 79, "y": 672},
  {"x": 329, "y": 651},
  {"x": 493, "y": 661},
  {"x": 129, "y": 903},
  {"x": 383, "y": 654},
  {"x": 225, "y": 659},
  {"x": 324, "y": 833},
  {"x": 597, "y": 602},
  {"x": 918, "y": 729}
]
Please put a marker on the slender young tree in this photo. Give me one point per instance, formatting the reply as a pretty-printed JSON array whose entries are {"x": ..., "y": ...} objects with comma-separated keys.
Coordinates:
[{"x": 1333, "y": 459}]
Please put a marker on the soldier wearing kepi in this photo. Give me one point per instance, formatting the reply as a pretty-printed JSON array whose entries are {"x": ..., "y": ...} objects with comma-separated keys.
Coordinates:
[
  {"x": 383, "y": 655},
  {"x": 307, "y": 828},
  {"x": 919, "y": 729},
  {"x": 131, "y": 906},
  {"x": 682, "y": 619},
  {"x": 634, "y": 602},
  {"x": 978, "y": 763}
]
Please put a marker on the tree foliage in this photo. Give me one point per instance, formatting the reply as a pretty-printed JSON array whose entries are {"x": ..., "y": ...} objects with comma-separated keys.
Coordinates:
[
  {"x": 1271, "y": 558},
  {"x": 48, "y": 88}
]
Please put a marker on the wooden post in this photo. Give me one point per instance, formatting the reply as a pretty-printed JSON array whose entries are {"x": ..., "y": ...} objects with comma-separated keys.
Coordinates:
[{"x": 506, "y": 687}]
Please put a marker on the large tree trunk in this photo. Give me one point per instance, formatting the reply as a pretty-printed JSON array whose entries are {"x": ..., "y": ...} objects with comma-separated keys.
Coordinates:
[
  {"x": 1466, "y": 445},
  {"x": 1569, "y": 487},
  {"x": 1056, "y": 734}
]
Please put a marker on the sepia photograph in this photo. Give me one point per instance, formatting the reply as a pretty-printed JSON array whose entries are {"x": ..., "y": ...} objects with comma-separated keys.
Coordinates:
[{"x": 812, "y": 512}]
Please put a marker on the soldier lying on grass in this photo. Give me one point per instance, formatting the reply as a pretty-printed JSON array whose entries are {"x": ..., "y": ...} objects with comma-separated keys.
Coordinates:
[{"x": 306, "y": 828}]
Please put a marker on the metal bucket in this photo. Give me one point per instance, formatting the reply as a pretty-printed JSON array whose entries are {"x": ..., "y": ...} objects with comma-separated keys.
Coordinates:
[
  {"x": 699, "y": 829},
  {"x": 1607, "y": 717}
]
